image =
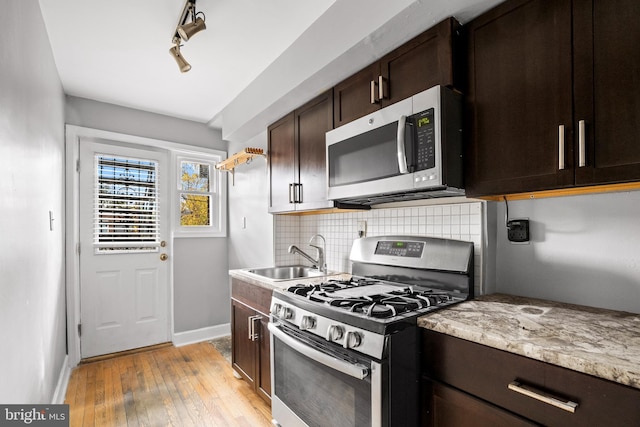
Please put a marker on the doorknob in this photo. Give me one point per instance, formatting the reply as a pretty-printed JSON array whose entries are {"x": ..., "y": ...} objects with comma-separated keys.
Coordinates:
[{"x": 164, "y": 257}]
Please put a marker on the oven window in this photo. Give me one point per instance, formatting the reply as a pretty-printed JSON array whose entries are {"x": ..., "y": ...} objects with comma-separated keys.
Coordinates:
[{"x": 317, "y": 394}]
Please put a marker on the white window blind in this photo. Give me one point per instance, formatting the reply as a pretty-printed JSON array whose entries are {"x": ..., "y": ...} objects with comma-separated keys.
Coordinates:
[{"x": 126, "y": 217}]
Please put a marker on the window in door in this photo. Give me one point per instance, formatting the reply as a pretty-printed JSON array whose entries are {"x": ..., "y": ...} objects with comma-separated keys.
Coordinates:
[{"x": 126, "y": 217}]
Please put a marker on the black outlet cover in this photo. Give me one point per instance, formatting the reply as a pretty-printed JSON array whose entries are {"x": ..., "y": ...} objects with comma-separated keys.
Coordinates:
[{"x": 518, "y": 230}]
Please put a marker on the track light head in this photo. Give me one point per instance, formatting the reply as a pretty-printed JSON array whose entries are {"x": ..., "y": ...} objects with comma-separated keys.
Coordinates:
[
  {"x": 182, "y": 63},
  {"x": 184, "y": 31},
  {"x": 188, "y": 30}
]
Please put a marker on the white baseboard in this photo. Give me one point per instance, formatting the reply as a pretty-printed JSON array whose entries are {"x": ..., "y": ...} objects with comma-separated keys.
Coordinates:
[
  {"x": 198, "y": 335},
  {"x": 63, "y": 381}
]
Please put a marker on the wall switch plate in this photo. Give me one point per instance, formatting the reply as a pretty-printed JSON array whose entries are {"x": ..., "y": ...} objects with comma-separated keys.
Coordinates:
[
  {"x": 362, "y": 228},
  {"x": 518, "y": 230}
]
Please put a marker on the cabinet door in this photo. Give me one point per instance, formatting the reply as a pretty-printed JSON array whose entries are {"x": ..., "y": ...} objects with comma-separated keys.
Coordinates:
[
  {"x": 420, "y": 64},
  {"x": 282, "y": 170},
  {"x": 519, "y": 94},
  {"x": 607, "y": 89},
  {"x": 243, "y": 349},
  {"x": 313, "y": 120},
  {"x": 264, "y": 360},
  {"x": 353, "y": 97}
]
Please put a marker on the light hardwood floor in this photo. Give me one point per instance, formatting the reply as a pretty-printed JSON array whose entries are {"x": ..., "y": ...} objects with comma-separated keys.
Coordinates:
[{"x": 186, "y": 386}]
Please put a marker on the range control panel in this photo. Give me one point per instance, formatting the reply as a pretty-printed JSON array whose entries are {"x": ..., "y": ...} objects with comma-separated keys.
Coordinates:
[{"x": 400, "y": 248}]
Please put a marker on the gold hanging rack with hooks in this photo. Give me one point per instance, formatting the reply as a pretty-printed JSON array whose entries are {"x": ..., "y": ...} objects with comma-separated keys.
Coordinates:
[{"x": 239, "y": 158}]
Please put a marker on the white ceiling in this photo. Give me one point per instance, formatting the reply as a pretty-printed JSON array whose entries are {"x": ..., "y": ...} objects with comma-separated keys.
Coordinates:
[{"x": 253, "y": 54}]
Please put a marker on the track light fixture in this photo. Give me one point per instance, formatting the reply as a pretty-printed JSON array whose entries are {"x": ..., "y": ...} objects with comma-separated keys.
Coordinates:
[
  {"x": 185, "y": 30},
  {"x": 182, "y": 63}
]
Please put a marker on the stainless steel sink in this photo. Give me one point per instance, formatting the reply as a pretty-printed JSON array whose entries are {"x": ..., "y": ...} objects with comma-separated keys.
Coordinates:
[{"x": 287, "y": 272}]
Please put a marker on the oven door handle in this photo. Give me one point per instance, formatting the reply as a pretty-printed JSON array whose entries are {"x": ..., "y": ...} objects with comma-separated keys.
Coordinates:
[{"x": 354, "y": 370}]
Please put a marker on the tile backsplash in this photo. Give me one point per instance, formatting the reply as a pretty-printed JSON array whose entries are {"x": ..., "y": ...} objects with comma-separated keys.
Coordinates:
[{"x": 461, "y": 221}]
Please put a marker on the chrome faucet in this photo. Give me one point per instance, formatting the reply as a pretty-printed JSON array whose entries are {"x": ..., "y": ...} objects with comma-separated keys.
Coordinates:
[{"x": 320, "y": 263}]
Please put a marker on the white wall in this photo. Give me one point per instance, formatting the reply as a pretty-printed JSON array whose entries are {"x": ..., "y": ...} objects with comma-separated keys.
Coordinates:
[
  {"x": 32, "y": 293},
  {"x": 584, "y": 250},
  {"x": 251, "y": 239}
]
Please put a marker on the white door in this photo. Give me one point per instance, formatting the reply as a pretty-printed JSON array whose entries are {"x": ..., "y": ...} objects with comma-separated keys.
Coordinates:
[{"x": 124, "y": 283}]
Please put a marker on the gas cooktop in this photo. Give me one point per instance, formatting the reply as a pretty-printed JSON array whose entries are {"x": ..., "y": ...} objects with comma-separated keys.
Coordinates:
[{"x": 374, "y": 298}]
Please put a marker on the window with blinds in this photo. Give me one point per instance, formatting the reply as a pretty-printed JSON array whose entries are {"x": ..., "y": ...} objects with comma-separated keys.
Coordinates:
[{"x": 126, "y": 212}]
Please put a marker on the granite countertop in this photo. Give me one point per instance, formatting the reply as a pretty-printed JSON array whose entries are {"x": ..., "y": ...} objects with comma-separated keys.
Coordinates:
[
  {"x": 599, "y": 342},
  {"x": 265, "y": 282}
]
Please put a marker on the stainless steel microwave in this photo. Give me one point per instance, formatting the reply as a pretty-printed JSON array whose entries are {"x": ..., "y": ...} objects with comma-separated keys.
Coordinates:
[{"x": 409, "y": 150}]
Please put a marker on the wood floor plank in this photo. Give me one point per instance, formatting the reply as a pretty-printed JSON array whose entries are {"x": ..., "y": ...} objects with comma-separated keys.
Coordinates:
[{"x": 187, "y": 386}]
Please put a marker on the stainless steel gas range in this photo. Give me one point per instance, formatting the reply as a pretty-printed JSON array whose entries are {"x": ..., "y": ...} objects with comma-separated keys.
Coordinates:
[{"x": 346, "y": 353}]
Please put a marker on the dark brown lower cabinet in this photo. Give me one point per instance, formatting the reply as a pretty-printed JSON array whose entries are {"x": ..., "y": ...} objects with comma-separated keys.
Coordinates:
[
  {"x": 449, "y": 407},
  {"x": 467, "y": 384},
  {"x": 250, "y": 335}
]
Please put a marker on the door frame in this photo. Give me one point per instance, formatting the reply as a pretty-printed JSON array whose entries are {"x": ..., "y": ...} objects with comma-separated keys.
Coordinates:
[{"x": 73, "y": 136}]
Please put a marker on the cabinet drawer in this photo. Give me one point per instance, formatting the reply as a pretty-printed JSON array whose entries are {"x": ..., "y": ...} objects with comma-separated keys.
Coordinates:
[
  {"x": 486, "y": 373},
  {"x": 449, "y": 407},
  {"x": 252, "y": 295}
]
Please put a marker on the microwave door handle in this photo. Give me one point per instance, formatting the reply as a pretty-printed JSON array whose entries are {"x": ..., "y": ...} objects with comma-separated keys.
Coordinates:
[
  {"x": 402, "y": 156},
  {"x": 352, "y": 369}
]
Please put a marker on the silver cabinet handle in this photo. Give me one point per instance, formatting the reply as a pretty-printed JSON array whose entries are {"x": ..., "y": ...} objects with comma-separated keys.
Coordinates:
[
  {"x": 561, "y": 163},
  {"x": 373, "y": 92},
  {"x": 253, "y": 335},
  {"x": 381, "y": 87},
  {"x": 355, "y": 370},
  {"x": 582, "y": 157},
  {"x": 291, "y": 195},
  {"x": 542, "y": 396},
  {"x": 297, "y": 193},
  {"x": 402, "y": 156}
]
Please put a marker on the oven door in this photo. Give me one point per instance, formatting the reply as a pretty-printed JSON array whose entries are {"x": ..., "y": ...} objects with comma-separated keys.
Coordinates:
[{"x": 314, "y": 383}]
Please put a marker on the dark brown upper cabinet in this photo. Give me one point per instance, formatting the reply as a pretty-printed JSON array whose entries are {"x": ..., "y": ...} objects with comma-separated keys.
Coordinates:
[
  {"x": 423, "y": 62},
  {"x": 297, "y": 159},
  {"x": 607, "y": 89},
  {"x": 553, "y": 96}
]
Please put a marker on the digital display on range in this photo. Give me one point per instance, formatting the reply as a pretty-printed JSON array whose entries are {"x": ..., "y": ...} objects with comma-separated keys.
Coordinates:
[{"x": 400, "y": 248}]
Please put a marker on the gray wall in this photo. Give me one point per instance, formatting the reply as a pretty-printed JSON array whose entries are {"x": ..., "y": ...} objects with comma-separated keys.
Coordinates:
[
  {"x": 584, "y": 250},
  {"x": 251, "y": 246},
  {"x": 200, "y": 269},
  {"x": 201, "y": 294},
  {"x": 32, "y": 293},
  {"x": 114, "y": 118}
]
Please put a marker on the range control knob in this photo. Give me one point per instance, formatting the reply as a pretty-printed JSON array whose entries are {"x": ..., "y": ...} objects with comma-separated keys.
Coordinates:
[
  {"x": 335, "y": 333},
  {"x": 285, "y": 313},
  {"x": 275, "y": 309},
  {"x": 307, "y": 322},
  {"x": 353, "y": 339}
]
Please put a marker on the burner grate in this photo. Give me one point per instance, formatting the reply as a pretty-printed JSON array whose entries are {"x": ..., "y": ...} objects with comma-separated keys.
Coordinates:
[{"x": 371, "y": 298}]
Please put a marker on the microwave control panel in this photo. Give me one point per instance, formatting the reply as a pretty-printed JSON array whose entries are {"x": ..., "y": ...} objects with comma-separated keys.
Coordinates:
[{"x": 425, "y": 139}]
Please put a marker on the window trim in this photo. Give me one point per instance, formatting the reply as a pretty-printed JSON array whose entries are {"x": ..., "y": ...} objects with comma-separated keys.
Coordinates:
[{"x": 218, "y": 191}]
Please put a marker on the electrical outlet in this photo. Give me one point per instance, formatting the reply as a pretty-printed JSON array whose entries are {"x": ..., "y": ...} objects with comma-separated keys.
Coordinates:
[
  {"x": 362, "y": 228},
  {"x": 518, "y": 230}
]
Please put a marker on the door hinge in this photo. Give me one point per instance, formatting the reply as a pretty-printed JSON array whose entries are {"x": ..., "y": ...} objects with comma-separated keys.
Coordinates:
[
  {"x": 79, "y": 329},
  {"x": 78, "y": 248},
  {"x": 77, "y": 165}
]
